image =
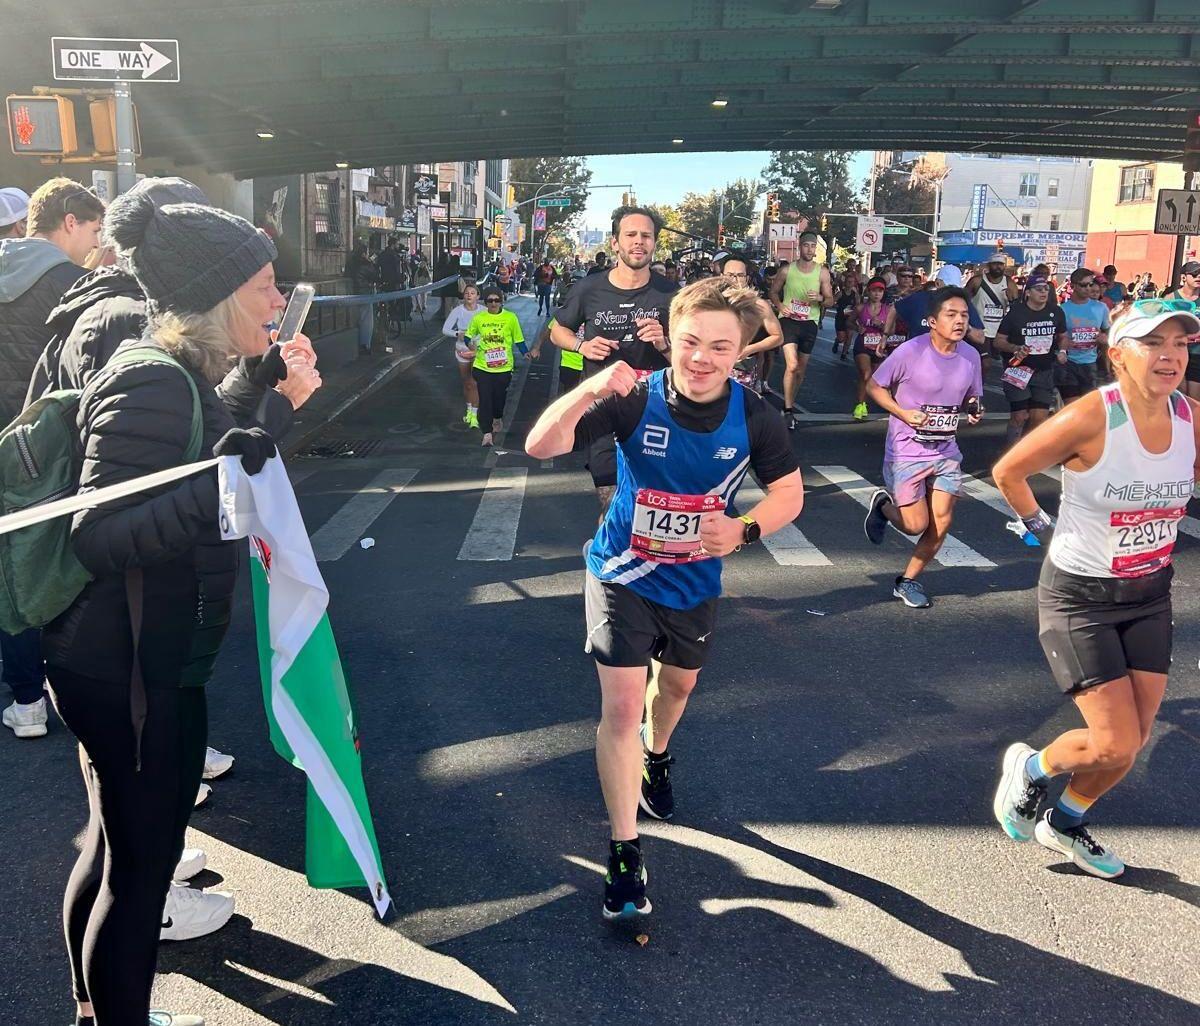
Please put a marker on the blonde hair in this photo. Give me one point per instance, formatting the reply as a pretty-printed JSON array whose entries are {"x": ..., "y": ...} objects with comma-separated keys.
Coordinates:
[
  {"x": 207, "y": 341},
  {"x": 716, "y": 294}
]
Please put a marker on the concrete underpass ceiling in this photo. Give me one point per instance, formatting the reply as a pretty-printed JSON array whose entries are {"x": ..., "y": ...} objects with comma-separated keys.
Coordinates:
[{"x": 380, "y": 81}]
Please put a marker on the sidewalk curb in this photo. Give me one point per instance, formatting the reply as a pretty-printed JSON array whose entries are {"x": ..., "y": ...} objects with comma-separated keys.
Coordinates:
[{"x": 298, "y": 441}]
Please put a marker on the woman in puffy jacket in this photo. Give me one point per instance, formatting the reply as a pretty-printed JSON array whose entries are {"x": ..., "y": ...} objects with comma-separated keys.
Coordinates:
[{"x": 128, "y": 661}]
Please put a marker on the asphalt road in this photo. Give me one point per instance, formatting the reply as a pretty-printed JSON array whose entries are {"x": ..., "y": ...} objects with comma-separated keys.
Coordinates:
[{"x": 834, "y": 859}]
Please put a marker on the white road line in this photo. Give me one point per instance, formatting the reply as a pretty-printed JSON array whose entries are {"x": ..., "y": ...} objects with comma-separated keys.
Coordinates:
[
  {"x": 988, "y": 494},
  {"x": 954, "y": 552},
  {"x": 493, "y": 533},
  {"x": 787, "y": 546},
  {"x": 1188, "y": 525},
  {"x": 347, "y": 525}
]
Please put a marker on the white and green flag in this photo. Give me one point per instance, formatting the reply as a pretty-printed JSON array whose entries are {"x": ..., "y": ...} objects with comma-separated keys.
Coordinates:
[{"x": 308, "y": 706}]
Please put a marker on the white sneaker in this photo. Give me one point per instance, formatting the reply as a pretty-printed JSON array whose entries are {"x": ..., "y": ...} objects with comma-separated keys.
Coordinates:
[
  {"x": 190, "y": 863},
  {"x": 27, "y": 720},
  {"x": 189, "y": 913},
  {"x": 202, "y": 795},
  {"x": 216, "y": 764}
]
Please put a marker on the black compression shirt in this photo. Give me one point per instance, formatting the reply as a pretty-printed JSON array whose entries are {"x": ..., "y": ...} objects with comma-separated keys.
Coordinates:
[
  {"x": 771, "y": 453},
  {"x": 611, "y": 313}
]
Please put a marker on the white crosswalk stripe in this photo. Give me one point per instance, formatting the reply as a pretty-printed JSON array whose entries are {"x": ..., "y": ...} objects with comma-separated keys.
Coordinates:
[
  {"x": 953, "y": 553},
  {"x": 787, "y": 546},
  {"x": 493, "y": 533},
  {"x": 347, "y": 525}
]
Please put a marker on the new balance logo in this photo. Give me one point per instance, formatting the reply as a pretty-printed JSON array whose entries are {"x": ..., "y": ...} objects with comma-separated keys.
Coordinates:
[{"x": 726, "y": 452}]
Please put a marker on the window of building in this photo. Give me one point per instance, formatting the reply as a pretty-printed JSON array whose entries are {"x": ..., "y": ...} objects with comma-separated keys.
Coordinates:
[
  {"x": 1137, "y": 184},
  {"x": 493, "y": 173},
  {"x": 1029, "y": 183},
  {"x": 1054, "y": 222},
  {"x": 1052, "y": 187},
  {"x": 1026, "y": 220}
]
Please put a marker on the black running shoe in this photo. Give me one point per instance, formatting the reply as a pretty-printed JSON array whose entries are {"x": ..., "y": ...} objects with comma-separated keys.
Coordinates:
[
  {"x": 875, "y": 524},
  {"x": 625, "y": 885},
  {"x": 657, "y": 798}
]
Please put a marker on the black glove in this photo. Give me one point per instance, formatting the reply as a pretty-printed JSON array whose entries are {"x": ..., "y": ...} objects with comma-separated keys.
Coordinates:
[
  {"x": 268, "y": 370},
  {"x": 254, "y": 446}
]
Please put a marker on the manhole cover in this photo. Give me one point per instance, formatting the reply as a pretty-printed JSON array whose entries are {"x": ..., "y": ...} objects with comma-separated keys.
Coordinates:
[{"x": 352, "y": 449}]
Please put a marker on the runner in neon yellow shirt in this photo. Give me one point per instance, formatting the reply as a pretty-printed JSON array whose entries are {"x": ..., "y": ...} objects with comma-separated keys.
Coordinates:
[{"x": 493, "y": 333}]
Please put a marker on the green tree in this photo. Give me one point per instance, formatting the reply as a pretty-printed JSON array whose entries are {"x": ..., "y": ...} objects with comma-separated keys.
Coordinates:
[
  {"x": 671, "y": 218},
  {"x": 701, "y": 211},
  {"x": 816, "y": 182},
  {"x": 908, "y": 200},
  {"x": 573, "y": 171}
]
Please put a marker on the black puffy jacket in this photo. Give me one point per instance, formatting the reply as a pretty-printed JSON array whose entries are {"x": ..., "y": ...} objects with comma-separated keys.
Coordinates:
[
  {"x": 106, "y": 308},
  {"x": 34, "y": 274},
  {"x": 134, "y": 419}
]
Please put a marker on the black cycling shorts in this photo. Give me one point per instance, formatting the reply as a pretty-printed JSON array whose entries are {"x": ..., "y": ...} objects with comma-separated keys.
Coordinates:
[
  {"x": 1075, "y": 379},
  {"x": 624, "y": 629},
  {"x": 801, "y": 334},
  {"x": 1193, "y": 368},
  {"x": 1097, "y": 629}
]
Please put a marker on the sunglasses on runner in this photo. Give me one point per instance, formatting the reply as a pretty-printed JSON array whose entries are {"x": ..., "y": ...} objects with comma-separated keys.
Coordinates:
[{"x": 1157, "y": 306}]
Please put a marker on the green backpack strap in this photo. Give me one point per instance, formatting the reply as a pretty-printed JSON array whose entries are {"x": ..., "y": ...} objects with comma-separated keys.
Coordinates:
[{"x": 153, "y": 354}]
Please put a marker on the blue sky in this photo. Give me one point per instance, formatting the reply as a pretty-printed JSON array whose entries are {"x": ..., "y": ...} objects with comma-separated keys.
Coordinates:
[{"x": 665, "y": 177}]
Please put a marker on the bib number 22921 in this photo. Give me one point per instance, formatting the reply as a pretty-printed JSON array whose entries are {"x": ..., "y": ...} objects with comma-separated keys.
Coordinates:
[{"x": 666, "y": 526}]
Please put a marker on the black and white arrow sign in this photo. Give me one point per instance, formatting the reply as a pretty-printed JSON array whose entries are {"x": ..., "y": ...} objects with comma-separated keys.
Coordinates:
[{"x": 110, "y": 60}]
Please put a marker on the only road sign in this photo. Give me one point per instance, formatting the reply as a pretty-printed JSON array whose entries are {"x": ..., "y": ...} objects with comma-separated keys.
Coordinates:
[
  {"x": 555, "y": 201},
  {"x": 870, "y": 234},
  {"x": 1178, "y": 212},
  {"x": 110, "y": 60},
  {"x": 777, "y": 231}
]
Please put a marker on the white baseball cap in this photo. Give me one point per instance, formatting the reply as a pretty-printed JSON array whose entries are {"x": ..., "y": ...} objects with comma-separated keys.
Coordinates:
[
  {"x": 14, "y": 206},
  {"x": 1143, "y": 318}
]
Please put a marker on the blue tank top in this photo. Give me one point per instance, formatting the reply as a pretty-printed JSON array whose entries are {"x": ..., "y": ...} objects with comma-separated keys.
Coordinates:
[{"x": 663, "y": 456}]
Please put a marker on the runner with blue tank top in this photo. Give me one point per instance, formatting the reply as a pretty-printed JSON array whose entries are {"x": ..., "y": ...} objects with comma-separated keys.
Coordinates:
[
  {"x": 1128, "y": 456},
  {"x": 686, "y": 438},
  {"x": 1087, "y": 337}
]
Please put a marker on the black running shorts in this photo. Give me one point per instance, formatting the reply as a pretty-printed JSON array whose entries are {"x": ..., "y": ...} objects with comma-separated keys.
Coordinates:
[
  {"x": 1193, "y": 367},
  {"x": 625, "y": 629},
  {"x": 1097, "y": 629},
  {"x": 801, "y": 334},
  {"x": 1075, "y": 379}
]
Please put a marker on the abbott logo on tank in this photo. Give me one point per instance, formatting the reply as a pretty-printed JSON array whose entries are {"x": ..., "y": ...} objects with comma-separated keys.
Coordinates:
[{"x": 655, "y": 439}]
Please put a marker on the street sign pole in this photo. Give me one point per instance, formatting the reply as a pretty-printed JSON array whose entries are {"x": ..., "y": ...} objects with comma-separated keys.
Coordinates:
[{"x": 126, "y": 162}]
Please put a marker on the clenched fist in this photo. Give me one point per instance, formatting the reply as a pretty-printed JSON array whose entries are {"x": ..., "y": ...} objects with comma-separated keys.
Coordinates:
[{"x": 618, "y": 379}]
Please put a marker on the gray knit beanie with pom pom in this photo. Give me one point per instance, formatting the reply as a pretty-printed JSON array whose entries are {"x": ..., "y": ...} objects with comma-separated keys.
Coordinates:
[{"x": 186, "y": 257}]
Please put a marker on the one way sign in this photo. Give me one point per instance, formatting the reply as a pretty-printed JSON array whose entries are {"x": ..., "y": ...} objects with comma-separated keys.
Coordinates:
[
  {"x": 1178, "y": 212},
  {"x": 110, "y": 60}
]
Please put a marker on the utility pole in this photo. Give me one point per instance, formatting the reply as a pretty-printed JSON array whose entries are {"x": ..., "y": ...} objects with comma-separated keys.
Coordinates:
[{"x": 126, "y": 166}]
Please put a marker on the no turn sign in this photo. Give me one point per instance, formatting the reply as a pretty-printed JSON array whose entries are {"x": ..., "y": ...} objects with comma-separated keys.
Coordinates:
[{"x": 870, "y": 234}]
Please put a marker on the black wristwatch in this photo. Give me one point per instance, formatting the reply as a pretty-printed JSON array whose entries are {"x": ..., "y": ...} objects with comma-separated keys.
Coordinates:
[{"x": 751, "y": 532}]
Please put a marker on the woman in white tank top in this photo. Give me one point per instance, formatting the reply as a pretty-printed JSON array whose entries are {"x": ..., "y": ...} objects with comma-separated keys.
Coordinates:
[{"x": 1128, "y": 456}]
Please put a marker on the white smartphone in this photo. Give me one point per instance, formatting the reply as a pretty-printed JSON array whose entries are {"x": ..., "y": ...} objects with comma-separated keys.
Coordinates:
[{"x": 296, "y": 313}]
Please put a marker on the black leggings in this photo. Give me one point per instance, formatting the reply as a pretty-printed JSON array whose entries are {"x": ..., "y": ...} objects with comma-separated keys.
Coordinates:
[
  {"x": 493, "y": 394},
  {"x": 112, "y": 910}
]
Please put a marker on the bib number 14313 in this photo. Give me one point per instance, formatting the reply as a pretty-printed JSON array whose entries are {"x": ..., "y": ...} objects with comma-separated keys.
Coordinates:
[{"x": 666, "y": 526}]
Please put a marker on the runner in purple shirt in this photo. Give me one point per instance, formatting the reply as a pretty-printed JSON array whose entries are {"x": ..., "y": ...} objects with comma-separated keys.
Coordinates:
[{"x": 926, "y": 385}]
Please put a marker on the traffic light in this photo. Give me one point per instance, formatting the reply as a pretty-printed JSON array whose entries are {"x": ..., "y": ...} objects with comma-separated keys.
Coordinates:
[
  {"x": 1191, "y": 147},
  {"x": 720, "y": 235},
  {"x": 824, "y": 223},
  {"x": 42, "y": 126},
  {"x": 772, "y": 206}
]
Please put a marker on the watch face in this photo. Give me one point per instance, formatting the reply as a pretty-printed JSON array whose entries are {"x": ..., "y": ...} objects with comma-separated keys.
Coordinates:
[{"x": 752, "y": 532}]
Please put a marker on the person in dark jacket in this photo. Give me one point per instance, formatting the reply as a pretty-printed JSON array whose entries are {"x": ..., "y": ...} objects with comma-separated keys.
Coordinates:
[
  {"x": 62, "y": 224},
  {"x": 128, "y": 660},
  {"x": 363, "y": 276}
]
